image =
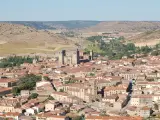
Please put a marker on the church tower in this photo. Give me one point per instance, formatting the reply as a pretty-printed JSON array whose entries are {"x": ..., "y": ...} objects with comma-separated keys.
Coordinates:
[
  {"x": 94, "y": 90},
  {"x": 75, "y": 57},
  {"x": 91, "y": 54},
  {"x": 61, "y": 57}
]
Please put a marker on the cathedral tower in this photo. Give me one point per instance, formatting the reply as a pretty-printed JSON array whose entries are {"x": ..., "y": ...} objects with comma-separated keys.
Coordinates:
[
  {"x": 61, "y": 57},
  {"x": 75, "y": 57}
]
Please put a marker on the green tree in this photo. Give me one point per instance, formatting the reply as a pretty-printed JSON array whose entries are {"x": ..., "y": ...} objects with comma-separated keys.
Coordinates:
[
  {"x": 28, "y": 82},
  {"x": 155, "y": 53},
  {"x": 145, "y": 49},
  {"x": 131, "y": 46},
  {"x": 15, "y": 90},
  {"x": 92, "y": 74},
  {"x": 78, "y": 118},
  {"x": 15, "y": 61},
  {"x": 33, "y": 96},
  {"x": 121, "y": 38},
  {"x": 61, "y": 90},
  {"x": 50, "y": 98},
  {"x": 46, "y": 78}
]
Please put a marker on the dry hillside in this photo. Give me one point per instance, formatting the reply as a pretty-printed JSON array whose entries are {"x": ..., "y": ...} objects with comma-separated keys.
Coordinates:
[
  {"x": 123, "y": 26},
  {"x": 149, "y": 38},
  {"x": 22, "y": 39}
]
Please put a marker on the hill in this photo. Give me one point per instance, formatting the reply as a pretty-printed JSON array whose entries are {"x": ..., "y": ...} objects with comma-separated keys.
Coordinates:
[
  {"x": 124, "y": 26},
  {"x": 75, "y": 24},
  {"x": 149, "y": 38},
  {"x": 23, "y": 39}
]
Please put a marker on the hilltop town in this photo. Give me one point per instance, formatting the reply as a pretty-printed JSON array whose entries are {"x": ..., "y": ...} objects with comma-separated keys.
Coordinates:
[{"x": 79, "y": 86}]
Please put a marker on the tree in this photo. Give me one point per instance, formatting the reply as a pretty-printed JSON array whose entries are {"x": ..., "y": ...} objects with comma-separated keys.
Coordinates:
[
  {"x": 157, "y": 46},
  {"x": 50, "y": 98},
  {"x": 61, "y": 90},
  {"x": 92, "y": 74},
  {"x": 46, "y": 78},
  {"x": 15, "y": 61},
  {"x": 78, "y": 118},
  {"x": 155, "y": 53},
  {"x": 121, "y": 38},
  {"x": 28, "y": 82},
  {"x": 145, "y": 49},
  {"x": 33, "y": 96},
  {"x": 15, "y": 91},
  {"x": 131, "y": 47}
]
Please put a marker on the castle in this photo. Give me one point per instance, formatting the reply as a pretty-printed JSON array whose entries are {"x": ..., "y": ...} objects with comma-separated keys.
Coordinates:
[{"x": 73, "y": 57}]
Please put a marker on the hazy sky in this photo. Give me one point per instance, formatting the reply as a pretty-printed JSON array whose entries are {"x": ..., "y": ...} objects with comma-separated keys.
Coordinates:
[{"x": 55, "y": 10}]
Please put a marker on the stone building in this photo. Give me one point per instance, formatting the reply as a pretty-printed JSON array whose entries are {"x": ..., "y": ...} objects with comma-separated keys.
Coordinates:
[
  {"x": 73, "y": 57},
  {"x": 85, "y": 91}
]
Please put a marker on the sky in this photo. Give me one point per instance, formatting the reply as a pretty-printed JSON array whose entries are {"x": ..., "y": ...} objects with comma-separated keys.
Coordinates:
[{"x": 62, "y": 10}]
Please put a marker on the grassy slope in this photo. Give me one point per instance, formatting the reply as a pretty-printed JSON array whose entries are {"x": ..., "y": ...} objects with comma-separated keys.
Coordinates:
[{"x": 16, "y": 39}]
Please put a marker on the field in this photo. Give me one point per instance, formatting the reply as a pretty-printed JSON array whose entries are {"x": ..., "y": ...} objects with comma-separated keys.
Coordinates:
[{"x": 23, "y": 47}]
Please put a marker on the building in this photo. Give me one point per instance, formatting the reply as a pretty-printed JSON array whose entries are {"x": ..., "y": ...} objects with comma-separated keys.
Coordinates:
[
  {"x": 11, "y": 115},
  {"x": 84, "y": 91},
  {"x": 50, "y": 116},
  {"x": 10, "y": 105},
  {"x": 112, "y": 118},
  {"x": 142, "y": 99},
  {"x": 108, "y": 91},
  {"x": 25, "y": 92},
  {"x": 73, "y": 57},
  {"x": 51, "y": 105},
  {"x": 139, "y": 111},
  {"x": 4, "y": 90},
  {"x": 7, "y": 82},
  {"x": 111, "y": 99}
]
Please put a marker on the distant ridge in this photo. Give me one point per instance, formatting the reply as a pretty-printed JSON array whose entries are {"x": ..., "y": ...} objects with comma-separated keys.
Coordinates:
[
  {"x": 75, "y": 24},
  {"x": 124, "y": 26},
  {"x": 94, "y": 26}
]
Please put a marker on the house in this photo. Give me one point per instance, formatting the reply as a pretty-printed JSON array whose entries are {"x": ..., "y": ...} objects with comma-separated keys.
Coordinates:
[
  {"x": 131, "y": 110},
  {"x": 145, "y": 112},
  {"x": 77, "y": 108},
  {"x": 25, "y": 92},
  {"x": 26, "y": 118},
  {"x": 30, "y": 111},
  {"x": 14, "y": 115},
  {"x": 50, "y": 116},
  {"x": 45, "y": 89},
  {"x": 51, "y": 105},
  {"x": 112, "y": 118},
  {"x": 108, "y": 91},
  {"x": 7, "y": 82},
  {"x": 4, "y": 91},
  {"x": 58, "y": 85},
  {"x": 139, "y": 111},
  {"x": 33, "y": 109},
  {"x": 61, "y": 96},
  {"x": 142, "y": 99},
  {"x": 111, "y": 99},
  {"x": 130, "y": 75},
  {"x": 10, "y": 105}
]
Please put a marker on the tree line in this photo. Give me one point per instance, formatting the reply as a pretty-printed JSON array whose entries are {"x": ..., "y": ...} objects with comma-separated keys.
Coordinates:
[
  {"x": 15, "y": 61},
  {"x": 116, "y": 49}
]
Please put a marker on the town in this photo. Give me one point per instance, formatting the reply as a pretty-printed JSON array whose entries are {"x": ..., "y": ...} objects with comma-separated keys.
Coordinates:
[{"x": 76, "y": 85}]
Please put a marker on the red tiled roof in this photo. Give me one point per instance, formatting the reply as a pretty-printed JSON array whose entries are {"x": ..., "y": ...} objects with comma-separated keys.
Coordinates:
[
  {"x": 7, "y": 80},
  {"x": 112, "y": 118}
]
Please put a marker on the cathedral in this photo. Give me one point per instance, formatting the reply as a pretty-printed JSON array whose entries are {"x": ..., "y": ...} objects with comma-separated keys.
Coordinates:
[{"x": 74, "y": 57}]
